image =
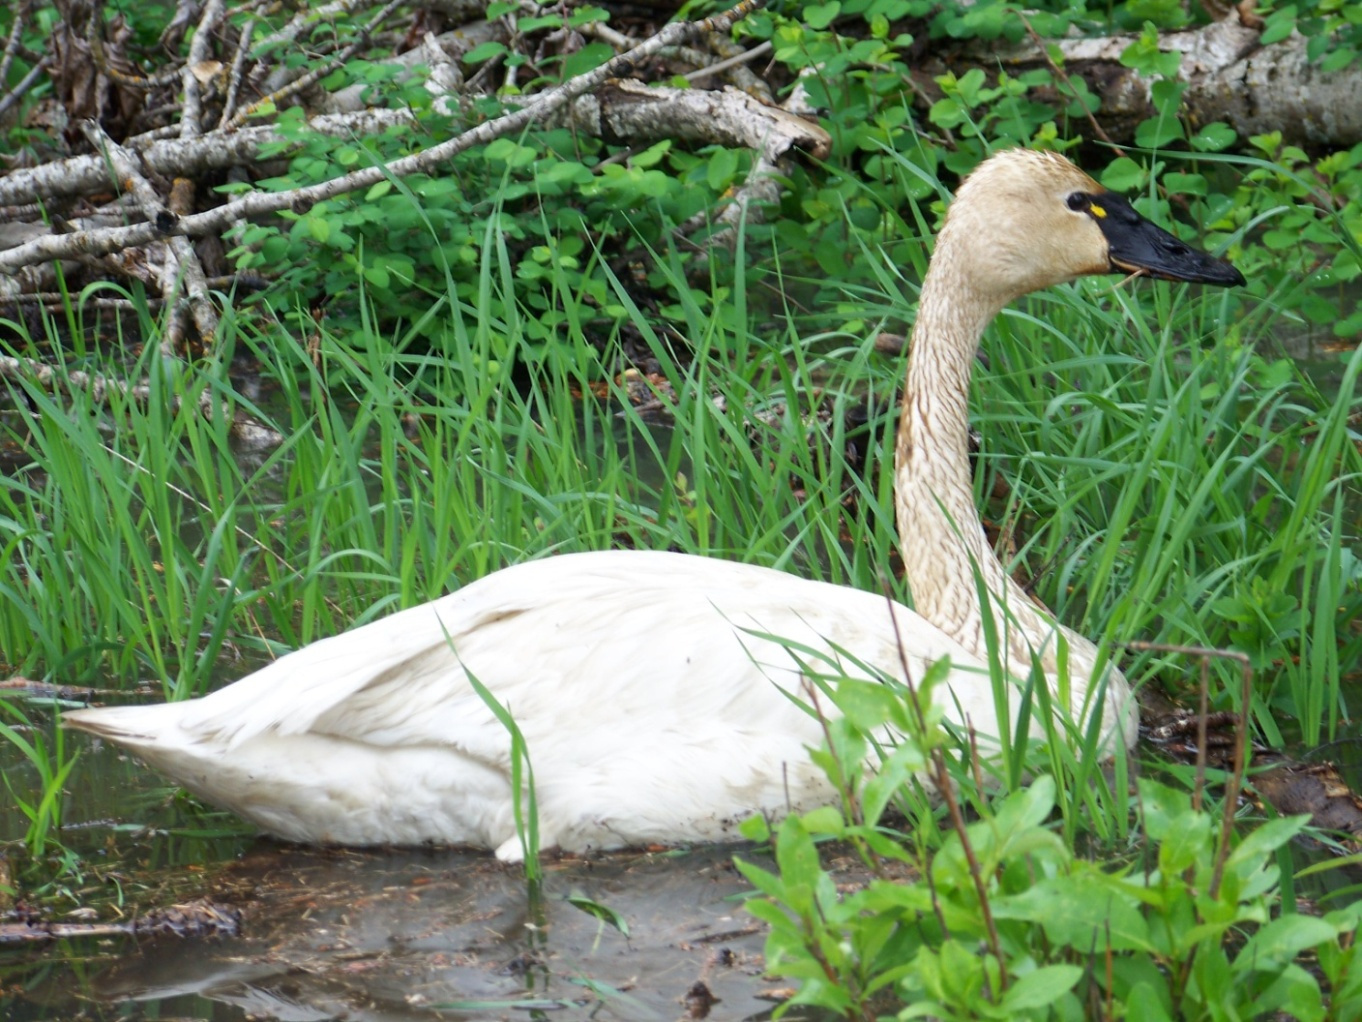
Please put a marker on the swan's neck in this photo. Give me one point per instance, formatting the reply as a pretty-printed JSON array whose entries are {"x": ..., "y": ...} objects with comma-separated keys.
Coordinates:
[{"x": 940, "y": 533}]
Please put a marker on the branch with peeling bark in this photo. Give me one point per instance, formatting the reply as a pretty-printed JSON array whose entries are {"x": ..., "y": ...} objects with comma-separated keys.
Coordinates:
[
  {"x": 181, "y": 265},
  {"x": 621, "y": 111},
  {"x": 1229, "y": 76}
]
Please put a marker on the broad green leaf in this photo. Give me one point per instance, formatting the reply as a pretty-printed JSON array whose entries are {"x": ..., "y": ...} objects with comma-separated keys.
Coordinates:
[
  {"x": 723, "y": 164},
  {"x": 1124, "y": 175},
  {"x": 820, "y": 16},
  {"x": 1280, "y": 941},
  {"x": 1039, "y": 988},
  {"x": 484, "y": 51},
  {"x": 1082, "y": 910},
  {"x": 1213, "y": 137},
  {"x": 1265, "y": 839},
  {"x": 1188, "y": 839}
]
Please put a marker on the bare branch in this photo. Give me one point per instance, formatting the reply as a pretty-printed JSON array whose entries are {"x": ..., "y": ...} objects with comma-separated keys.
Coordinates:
[
  {"x": 192, "y": 116},
  {"x": 538, "y": 108},
  {"x": 182, "y": 263}
]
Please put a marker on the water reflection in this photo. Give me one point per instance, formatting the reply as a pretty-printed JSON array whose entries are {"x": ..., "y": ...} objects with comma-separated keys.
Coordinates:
[
  {"x": 369, "y": 935},
  {"x": 394, "y": 935}
]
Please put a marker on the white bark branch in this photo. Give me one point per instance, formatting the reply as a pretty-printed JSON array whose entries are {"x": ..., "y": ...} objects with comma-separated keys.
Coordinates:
[
  {"x": 1230, "y": 77},
  {"x": 538, "y": 108},
  {"x": 182, "y": 266}
]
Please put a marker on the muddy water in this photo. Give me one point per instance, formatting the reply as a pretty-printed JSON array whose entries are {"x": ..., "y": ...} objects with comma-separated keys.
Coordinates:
[
  {"x": 372, "y": 936},
  {"x": 396, "y": 935}
]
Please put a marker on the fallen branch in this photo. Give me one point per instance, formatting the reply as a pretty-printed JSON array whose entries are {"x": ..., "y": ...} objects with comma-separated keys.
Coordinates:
[
  {"x": 199, "y": 918},
  {"x": 182, "y": 264},
  {"x": 245, "y": 430},
  {"x": 540, "y": 108}
]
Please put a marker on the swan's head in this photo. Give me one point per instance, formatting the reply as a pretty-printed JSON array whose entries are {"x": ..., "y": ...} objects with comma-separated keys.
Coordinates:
[{"x": 1024, "y": 220}]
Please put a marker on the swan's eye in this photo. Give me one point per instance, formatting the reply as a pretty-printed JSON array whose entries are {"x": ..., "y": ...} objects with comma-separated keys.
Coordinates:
[{"x": 1077, "y": 201}]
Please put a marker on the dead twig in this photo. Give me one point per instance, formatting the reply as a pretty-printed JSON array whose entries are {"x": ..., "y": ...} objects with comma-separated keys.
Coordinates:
[
  {"x": 182, "y": 263},
  {"x": 306, "y": 81},
  {"x": 538, "y": 108}
]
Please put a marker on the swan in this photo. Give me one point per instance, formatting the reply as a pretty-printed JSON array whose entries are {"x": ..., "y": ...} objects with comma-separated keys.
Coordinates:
[{"x": 651, "y": 688}]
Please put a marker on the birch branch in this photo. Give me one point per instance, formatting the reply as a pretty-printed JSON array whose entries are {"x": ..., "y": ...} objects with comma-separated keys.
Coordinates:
[
  {"x": 538, "y": 108},
  {"x": 182, "y": 263},
  {"x": 1229, "y": 75},
  {"x": 191, "y": 118}
]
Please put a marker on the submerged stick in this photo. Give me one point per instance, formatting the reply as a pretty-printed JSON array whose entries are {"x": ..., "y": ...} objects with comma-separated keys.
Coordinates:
[{"x": 198, "y": 918}]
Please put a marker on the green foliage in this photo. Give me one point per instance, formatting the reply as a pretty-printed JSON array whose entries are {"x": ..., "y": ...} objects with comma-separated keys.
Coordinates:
[
  {"x": 51, "y": 762},
  {"x": 557, "y": 201},
  {"x": 1000, "y": 919}
]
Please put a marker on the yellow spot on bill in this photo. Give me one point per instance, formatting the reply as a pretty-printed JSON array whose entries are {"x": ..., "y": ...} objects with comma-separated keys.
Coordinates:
[{"x": 1097, "y": 211}]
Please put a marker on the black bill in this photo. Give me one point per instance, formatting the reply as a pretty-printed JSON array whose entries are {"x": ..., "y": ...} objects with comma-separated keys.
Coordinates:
[{"x": 1137, "y": 246}]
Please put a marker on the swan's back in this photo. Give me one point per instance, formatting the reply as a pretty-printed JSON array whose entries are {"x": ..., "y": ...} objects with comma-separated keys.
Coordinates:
[{"x": 652, "y": 694}]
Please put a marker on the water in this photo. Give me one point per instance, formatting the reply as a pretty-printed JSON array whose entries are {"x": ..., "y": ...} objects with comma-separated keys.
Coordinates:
[
  {"x": 382, "y": 936},
  {"x": 372, "y": 935}
]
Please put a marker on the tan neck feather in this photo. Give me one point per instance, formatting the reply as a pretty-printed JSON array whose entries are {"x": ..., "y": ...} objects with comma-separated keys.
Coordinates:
[{"x": 940, "y": 533}]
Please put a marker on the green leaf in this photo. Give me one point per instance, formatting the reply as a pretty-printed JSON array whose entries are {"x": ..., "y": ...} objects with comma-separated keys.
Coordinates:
[
  {"x": 588, "y": 58},
  {"x": 653, "y": 155},
  {"x": 1279, "y": 26},
  {"x": 587, "y": 14},
  {"x": 820, "y": 16},
  {"x": 947, "y": 113},
  {"x": 755, "y": 829},
  {"x": 1280, "y": 941},
  {"x": 1084, "y": 910},
  {"x": 867, "y": 704},
  {"x": 1338, "y": 60},
  {"x": 1143, "y": 1004},
  {"x": 1145, "y": 56},
  {"x": 768, "y": 883},
  {"x": 825, "y": 820},
  {"x": 1213, "y": 137},
  {"x": 1157, "y": 132},
  {"x": 563, "y": 172},
  {"x": 1185, "y": 184},
  {"x": 906, "y": 760},
  {"x": 604, "y": 913},
  {"x": 1263, "y": 840},
  {"x": 1044, "y": 986},
  {"x": 1187, "y": 840},
  {"x": 798, "y": 858},
  {"x": 510, "y": 152},
  {"x": 1124, "y": 175},
  {"x": 484, "y": 51},
  {"x": 527, "y": 25},
  {"x": 719, "y": 171}
]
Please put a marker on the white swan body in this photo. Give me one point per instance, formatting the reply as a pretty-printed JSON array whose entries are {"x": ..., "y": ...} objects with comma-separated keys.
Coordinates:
[
  {"x": 654, "y": 707},
  {"x": 375, "y": 736}
]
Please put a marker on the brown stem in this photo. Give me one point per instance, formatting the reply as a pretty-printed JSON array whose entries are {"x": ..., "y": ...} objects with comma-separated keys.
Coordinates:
[
  {"x": 1064, "y": 77},
  {"x": 943, "y": 785},
  {"x": 1236, "y": 779}
]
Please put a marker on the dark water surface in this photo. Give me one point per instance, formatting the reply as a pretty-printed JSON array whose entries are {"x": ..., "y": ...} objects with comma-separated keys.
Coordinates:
[
  {"x": 371, "y": 935},
  {"x": 393, "y": 935}
]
